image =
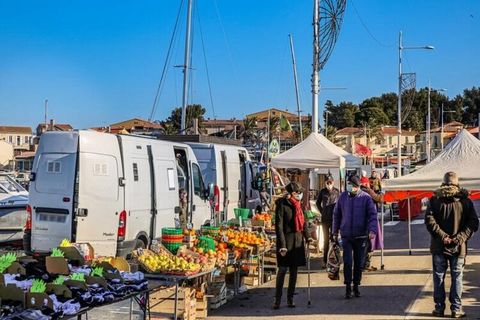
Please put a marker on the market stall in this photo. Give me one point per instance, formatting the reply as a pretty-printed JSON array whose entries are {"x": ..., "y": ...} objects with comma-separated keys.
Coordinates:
[{"x": 460, "y": 155}]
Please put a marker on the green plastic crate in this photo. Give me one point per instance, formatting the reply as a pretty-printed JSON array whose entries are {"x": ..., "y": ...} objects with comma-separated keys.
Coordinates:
[{"x": 242, "y": 213}]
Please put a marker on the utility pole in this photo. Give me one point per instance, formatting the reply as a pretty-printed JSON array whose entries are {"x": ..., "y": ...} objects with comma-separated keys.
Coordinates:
[
  {"x": 186, "y": 67},
  {"x": 46, "y": 114},
  {"x": 297, "y": 96},
  {"x": 316, "y": 66},
  {"x": 399, "y": 105},
  {"x": 428, "y": 148}
]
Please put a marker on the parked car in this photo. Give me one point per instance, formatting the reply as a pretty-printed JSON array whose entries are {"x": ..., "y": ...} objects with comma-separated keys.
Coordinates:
[{"x": 13, "y": 204}]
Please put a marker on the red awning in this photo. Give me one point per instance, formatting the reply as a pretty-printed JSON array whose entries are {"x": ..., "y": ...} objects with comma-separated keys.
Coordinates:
[
  {"x": 395, "y": 196},
  {"x": 362, "y": 150}
]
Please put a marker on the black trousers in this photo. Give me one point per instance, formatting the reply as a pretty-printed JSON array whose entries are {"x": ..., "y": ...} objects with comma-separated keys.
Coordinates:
[
  {"x": 327, "y": 231},
  {"x": 292, "y": 282},
  {"x": 353, "y": 258}
]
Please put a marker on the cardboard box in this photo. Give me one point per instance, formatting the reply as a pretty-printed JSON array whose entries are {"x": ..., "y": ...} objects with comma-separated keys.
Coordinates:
[
  {"x": 16, "y": 268},
  {"x": 96, "y": 280},
  {"x": 80, "y": 253},
  {"x": 38, "y": 301},
  {"x": 251, "y": 281},
  {"x": 57, "y": 265},
  {"x": 59, "y": 290},
  {"x": 163, "y": 302},
  {"x": 76, "y": 284},
  {"x": 13, "y": 293}
]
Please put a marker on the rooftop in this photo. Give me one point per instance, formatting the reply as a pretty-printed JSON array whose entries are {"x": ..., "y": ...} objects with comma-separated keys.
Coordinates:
[{"x": 15, "y": 129}]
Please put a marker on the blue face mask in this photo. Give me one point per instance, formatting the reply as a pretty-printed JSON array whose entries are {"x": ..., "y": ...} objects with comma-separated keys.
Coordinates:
[{"x": 351, "y": 189}]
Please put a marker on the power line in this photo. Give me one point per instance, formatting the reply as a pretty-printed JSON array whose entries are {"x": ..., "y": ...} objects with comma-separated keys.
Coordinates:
[
  {"x": 368, "y": 30},
  {"x": 167, "y": 61}
]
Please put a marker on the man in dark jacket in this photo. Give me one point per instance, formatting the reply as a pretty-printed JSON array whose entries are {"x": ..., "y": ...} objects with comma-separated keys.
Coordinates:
[
  {"x": 451, "y": 220},
  {"x": 355, "y": 216},
  {"x": 326, "y": 201},
  {"x": 291, "y": 231}
]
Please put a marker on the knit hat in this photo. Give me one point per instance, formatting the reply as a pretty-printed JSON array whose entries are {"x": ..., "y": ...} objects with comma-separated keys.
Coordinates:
[
  {"x": 450, "y": 178},
  {"x": 364, "y": 180},
  {"x": 354, "y": 180},
  {"x": 294, "y": 187}
]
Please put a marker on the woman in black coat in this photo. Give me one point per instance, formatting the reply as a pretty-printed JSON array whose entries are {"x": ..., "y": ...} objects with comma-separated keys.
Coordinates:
[{"x": 291, "y": 231}]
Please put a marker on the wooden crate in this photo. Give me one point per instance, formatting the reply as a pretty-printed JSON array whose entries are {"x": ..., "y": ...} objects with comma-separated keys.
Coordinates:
[
  {"x": 251, "y": 281},
  {"x": 202, "y": 308},
  {"x": 162, "y": 302}
]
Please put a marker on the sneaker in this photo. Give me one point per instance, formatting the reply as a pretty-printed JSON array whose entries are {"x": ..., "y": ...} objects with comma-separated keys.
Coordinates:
[
  {"x": 356, "y": 292},
  {"x": 458, "y": 314},
  {"x": 438, "y": 313}
]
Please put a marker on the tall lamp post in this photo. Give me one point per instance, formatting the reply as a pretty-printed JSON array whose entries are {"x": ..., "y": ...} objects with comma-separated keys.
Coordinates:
[
  {"x": 441, "y": 134},
  {"x": 429, "y": 139},
  {"x": 399, "y": 111}
]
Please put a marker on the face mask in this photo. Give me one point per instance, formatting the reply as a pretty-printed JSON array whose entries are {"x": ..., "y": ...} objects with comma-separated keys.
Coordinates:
[
  {"x": 299, "y": 196},
  {"x": 351, "y": 190},
  {"x": 330, "y": 186}
]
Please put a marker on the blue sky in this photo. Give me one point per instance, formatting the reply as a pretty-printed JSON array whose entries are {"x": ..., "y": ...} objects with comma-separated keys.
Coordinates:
[{"x": 99, "y": 62}]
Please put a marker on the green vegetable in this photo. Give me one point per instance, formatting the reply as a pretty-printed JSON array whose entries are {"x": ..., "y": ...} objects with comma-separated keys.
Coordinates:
[
  {"x": 78, "y": 277},
  {"x": 60, "y": 280},
  {"x": 6, "y": 260},
  {"x": 38, "y": 286},
  {"x": 57, "y": 253},
  {"x": 97, "y": 272}
]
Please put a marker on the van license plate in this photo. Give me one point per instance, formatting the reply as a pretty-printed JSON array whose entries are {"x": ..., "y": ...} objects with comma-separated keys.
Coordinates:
[{"x": 52, "y": 217}]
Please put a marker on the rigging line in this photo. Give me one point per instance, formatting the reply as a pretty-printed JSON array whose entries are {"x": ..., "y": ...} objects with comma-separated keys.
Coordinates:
[
  {"x": 206, "y": 65},
  {"x": 368, "y": 30},
  {"x": 164, "y": 71},
  {"x": 225, "y": 38}
]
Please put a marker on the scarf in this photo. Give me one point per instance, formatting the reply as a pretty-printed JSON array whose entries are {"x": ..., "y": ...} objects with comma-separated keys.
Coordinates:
[{"x": 299, "y": 218}]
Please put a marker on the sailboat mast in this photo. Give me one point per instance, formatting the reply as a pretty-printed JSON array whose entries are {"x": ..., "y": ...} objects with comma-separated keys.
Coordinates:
[
  {"x": 316, "y": 67},
  {"x": 294, "y": 62},
  {"x": 186, "y": 68}
]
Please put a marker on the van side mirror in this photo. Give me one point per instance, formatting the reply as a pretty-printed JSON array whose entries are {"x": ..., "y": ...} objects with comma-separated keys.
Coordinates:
[{"x": 210, "y": 193}]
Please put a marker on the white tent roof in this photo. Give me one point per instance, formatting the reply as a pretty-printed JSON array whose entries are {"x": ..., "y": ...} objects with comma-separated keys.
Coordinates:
[
  {"x": 315, "y": 151},
  {"x": 351, "y": 161},
  {"x": 461, "y": 155}
]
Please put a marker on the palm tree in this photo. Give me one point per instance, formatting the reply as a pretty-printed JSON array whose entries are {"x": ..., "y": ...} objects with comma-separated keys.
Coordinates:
[{"x": 249, "y": 131}]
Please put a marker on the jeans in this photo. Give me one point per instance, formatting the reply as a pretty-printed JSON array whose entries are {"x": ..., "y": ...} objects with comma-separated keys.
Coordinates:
[
  {"x": 327, "y": 230},
  {"x": 440, "y": 265},
  {"x": 292, "y": 282},
  {"x": 353, "y": 258}
]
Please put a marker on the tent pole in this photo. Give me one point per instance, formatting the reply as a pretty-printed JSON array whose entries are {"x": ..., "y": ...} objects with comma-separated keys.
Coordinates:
[
  {"x": 409, "y": 229},
  {"x": 382, "y": 266}
]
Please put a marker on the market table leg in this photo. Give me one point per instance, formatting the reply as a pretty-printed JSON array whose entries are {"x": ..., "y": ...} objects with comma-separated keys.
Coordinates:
[{"x": 176, "y": 301}]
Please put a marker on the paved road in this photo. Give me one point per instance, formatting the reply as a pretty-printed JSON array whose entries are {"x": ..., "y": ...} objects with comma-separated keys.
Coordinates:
[{"x": 402, "y": 291}]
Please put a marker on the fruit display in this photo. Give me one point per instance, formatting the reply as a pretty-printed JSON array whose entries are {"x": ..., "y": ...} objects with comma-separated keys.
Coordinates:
[
  {"x": 243, "y": 239},
  {"x": 262, "y": 217},
  {"x": 163, "y": 263}
]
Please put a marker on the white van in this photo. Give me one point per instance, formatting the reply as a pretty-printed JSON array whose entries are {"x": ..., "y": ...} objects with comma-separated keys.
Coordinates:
[
  {"x": 114, "y": 191},
  {"x": 231, "y": 172}
]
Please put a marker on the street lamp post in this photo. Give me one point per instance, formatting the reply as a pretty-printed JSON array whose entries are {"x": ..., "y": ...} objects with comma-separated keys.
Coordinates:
[
  {"x": 441, "y": 133},
  {"x": 399, "y": 109},
  {"x": 428, "y": 139}
]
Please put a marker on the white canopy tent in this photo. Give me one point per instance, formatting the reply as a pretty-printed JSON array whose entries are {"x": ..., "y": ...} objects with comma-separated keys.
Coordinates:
[
  {"x": 316, "y": 151},
  {"x": 311, "y": 153},
  {"x": 461, "y": 155}
]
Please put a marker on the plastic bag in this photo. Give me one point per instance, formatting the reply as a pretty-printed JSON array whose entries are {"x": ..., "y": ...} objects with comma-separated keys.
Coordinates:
[{"x": 334, "y": 261}]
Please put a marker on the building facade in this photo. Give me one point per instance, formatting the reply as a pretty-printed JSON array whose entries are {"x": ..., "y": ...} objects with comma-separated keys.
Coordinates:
[{"x": 18, "y": 136}]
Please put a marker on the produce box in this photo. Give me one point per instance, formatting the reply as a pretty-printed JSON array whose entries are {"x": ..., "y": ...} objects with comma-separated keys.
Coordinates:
[
  {"x": 163, "y": 302},
  {"x": 57, "y": 265},
  {"x": 251, "y": 281}
]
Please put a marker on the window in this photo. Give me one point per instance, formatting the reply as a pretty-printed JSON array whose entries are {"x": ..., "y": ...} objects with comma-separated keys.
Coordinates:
[
  {"x": 54, "y": 167},
  {"x": 27, "y": 140},
  {"x": 135, "y": 172},
  {"x": 390, "y": 140},
  {"x": 19, "y": 140},
  {"x": 182, "y": 178},
  {"x": 171, "y": 179},
  {"x": 10, "y": 139},
  {"x": 197, "y": 180}
]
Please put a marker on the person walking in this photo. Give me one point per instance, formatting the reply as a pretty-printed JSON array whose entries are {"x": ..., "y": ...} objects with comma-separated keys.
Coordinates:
[
  {"x": 355, "y": 217},
  {"x": 451, "y": 220},
  {"x": 326, "y": 201},
  {"x": 291, "y": 231},
  {"x": 377, "y": 242}
]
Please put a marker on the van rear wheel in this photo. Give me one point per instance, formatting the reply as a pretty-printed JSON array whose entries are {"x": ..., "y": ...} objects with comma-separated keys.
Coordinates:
[{"x": 140, "y": 243}]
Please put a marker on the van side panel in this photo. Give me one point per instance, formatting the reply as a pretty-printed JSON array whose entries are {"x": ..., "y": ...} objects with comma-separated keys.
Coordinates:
[{"x": 100, "y": 198}]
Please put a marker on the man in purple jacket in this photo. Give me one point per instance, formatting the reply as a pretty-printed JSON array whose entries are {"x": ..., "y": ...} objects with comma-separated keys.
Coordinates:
[{"x": 355, "y": 216}]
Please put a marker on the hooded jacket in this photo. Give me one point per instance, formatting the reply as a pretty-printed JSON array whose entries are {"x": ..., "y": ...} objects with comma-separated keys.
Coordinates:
[
  {"x": 326, "y": 203},
  {"x": 355, "y": 216},
  {"x": 450, "y": 213}
]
